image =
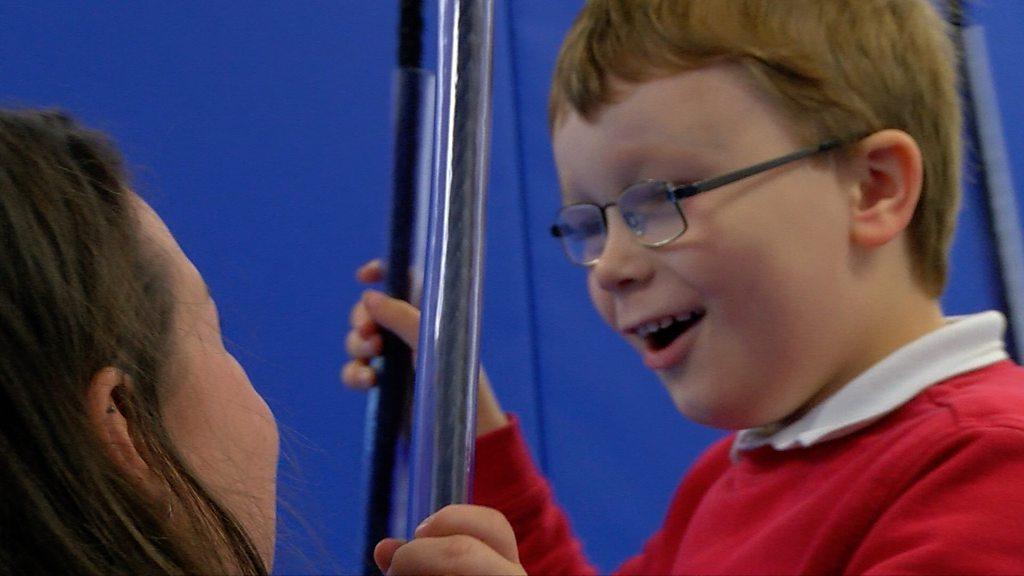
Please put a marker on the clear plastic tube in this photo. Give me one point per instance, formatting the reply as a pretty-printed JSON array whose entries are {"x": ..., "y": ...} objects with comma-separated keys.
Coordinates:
[{"x": 447, "y": 368}]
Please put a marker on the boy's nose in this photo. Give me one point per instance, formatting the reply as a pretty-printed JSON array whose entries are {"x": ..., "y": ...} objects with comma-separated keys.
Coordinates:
[{"x": 624, "y": 262}]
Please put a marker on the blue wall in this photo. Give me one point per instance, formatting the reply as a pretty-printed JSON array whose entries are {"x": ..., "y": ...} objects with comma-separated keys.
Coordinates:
[{"x": 260, "y": 131}]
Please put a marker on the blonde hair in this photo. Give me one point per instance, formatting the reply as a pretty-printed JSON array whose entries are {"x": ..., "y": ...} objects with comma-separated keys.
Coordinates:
[{"x": 839, "y": 68}]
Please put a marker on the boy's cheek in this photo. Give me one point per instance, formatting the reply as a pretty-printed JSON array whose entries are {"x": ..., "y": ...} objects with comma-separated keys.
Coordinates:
[{"x": 602, "y": 302}]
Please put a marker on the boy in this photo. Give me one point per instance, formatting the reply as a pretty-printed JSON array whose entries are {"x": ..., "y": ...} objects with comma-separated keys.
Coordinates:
[{"x": 790, "y": 293}]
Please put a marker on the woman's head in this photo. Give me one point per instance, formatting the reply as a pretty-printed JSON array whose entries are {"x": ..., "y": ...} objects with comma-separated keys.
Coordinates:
[{"x": 132, "y": 441}]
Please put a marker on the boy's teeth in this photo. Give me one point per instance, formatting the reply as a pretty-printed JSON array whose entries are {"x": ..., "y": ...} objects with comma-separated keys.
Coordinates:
[{"x": 652, "y": 327}]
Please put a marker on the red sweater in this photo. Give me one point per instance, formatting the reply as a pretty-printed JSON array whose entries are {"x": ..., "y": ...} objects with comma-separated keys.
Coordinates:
[{"x": 936, "y": 486}]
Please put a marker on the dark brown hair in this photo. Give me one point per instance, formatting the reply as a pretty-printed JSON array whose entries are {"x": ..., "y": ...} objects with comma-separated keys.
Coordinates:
[
  {"x": 839, "y": 68},
  {"x": 80, "y": 290}
]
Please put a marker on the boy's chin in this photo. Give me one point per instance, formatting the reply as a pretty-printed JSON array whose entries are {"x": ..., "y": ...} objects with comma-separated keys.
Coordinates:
[{"x": 715, "y": 411}]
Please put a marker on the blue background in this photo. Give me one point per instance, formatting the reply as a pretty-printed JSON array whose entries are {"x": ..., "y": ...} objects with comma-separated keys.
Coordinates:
[{"x": 260, "y": 132}]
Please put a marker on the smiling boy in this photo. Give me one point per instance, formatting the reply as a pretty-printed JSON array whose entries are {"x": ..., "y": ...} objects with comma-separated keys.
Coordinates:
[
  {"x": 764, "y": 194},
  {"x": 766, "y": 264}
]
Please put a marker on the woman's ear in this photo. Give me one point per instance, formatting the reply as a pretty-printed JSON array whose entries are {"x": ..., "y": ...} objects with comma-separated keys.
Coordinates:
[
  {"x": 104, "y": 410},
  {"x": 889, "y": 176}
]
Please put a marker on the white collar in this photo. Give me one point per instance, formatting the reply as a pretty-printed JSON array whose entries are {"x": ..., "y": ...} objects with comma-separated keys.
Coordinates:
[{"x": 965, "y": 343}]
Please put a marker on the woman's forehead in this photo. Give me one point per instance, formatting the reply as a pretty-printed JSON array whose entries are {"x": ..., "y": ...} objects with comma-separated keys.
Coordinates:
[{"x": 187, "y": 283}]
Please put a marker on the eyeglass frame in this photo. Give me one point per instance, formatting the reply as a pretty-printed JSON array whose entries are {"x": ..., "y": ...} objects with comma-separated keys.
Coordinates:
[{"x": 680, "y": 192}]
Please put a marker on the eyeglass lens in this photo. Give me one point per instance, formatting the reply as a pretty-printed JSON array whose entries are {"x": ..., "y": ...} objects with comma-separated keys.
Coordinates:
[
  {"x": 651, "y": 212},
  {"x": 648, "y": 208},
  {"x": 582, "y": 232}
]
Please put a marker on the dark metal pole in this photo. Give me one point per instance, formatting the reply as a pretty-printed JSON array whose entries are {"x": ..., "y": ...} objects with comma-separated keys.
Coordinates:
[
  {"x": 448, "y": 363},
  {"x": 389, "y": 403},
  {"x": 986, "y": 136}
]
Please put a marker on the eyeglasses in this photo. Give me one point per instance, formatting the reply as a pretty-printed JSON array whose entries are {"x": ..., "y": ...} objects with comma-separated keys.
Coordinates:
[{"x": 651, "y": 209}]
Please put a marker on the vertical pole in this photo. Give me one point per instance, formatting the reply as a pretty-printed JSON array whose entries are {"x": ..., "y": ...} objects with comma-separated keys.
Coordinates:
[
  {"x": 986, "y": 133},
  {"x": 388, "y": 404},
  {"x": 448, "y": 363}
]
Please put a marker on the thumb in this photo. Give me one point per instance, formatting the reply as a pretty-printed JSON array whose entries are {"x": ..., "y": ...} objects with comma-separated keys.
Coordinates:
[
  {"x": 394, "y": 315},
  {"x": 384, "y": 552}
]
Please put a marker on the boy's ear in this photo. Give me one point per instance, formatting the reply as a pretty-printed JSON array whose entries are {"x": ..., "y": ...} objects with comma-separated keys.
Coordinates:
[
  {"x": 104, "y": 410},
  {"x": 889, "y": 175}
]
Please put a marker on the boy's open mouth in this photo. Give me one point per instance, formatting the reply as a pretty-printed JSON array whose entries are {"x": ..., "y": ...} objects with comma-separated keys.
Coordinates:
[{"x": 659, "y": 338}]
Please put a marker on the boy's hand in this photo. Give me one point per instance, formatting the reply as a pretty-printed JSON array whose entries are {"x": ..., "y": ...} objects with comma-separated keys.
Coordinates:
[
  {"x": 459, "y": 539},
  {"x": 376, "y": 310},
  {"x": 373, "y": 311}
]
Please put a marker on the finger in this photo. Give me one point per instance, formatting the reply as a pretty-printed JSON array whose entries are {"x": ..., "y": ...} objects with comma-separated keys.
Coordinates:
[
  {"x": 384, "y": 551},
  {"x": 484, "y": 524},
  {"x": 359, "y": 319},
  {"x": 372, "y": 271},
  {"x": 398, "y": 316},
  {"x": 362, "y": 348},
  {"x": 358, "y": 315},
  {"x": 358, "y": 376},
  {"x": 457, "y": 554}
]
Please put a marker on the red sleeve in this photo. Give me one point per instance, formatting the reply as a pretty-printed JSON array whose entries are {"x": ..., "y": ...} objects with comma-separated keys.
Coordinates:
[
  {"x": 961, "y": 513},
  {"x": 507, "y": 479}
]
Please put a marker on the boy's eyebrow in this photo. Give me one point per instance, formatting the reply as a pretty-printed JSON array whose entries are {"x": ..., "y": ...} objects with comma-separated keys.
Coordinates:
[
  {"x": 641, "y": 164},
  {"x": 666, "y": 163}
]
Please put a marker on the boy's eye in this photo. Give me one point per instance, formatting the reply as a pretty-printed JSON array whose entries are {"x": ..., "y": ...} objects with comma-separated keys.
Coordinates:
[
  {"x": 635, "y": 221},
  {"x": 592, "y": 228},
  {"x": 582, "y": 225}
]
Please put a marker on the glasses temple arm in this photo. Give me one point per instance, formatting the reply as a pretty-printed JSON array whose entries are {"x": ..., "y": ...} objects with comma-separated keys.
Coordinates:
[{"x": 688, "y": 190}]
